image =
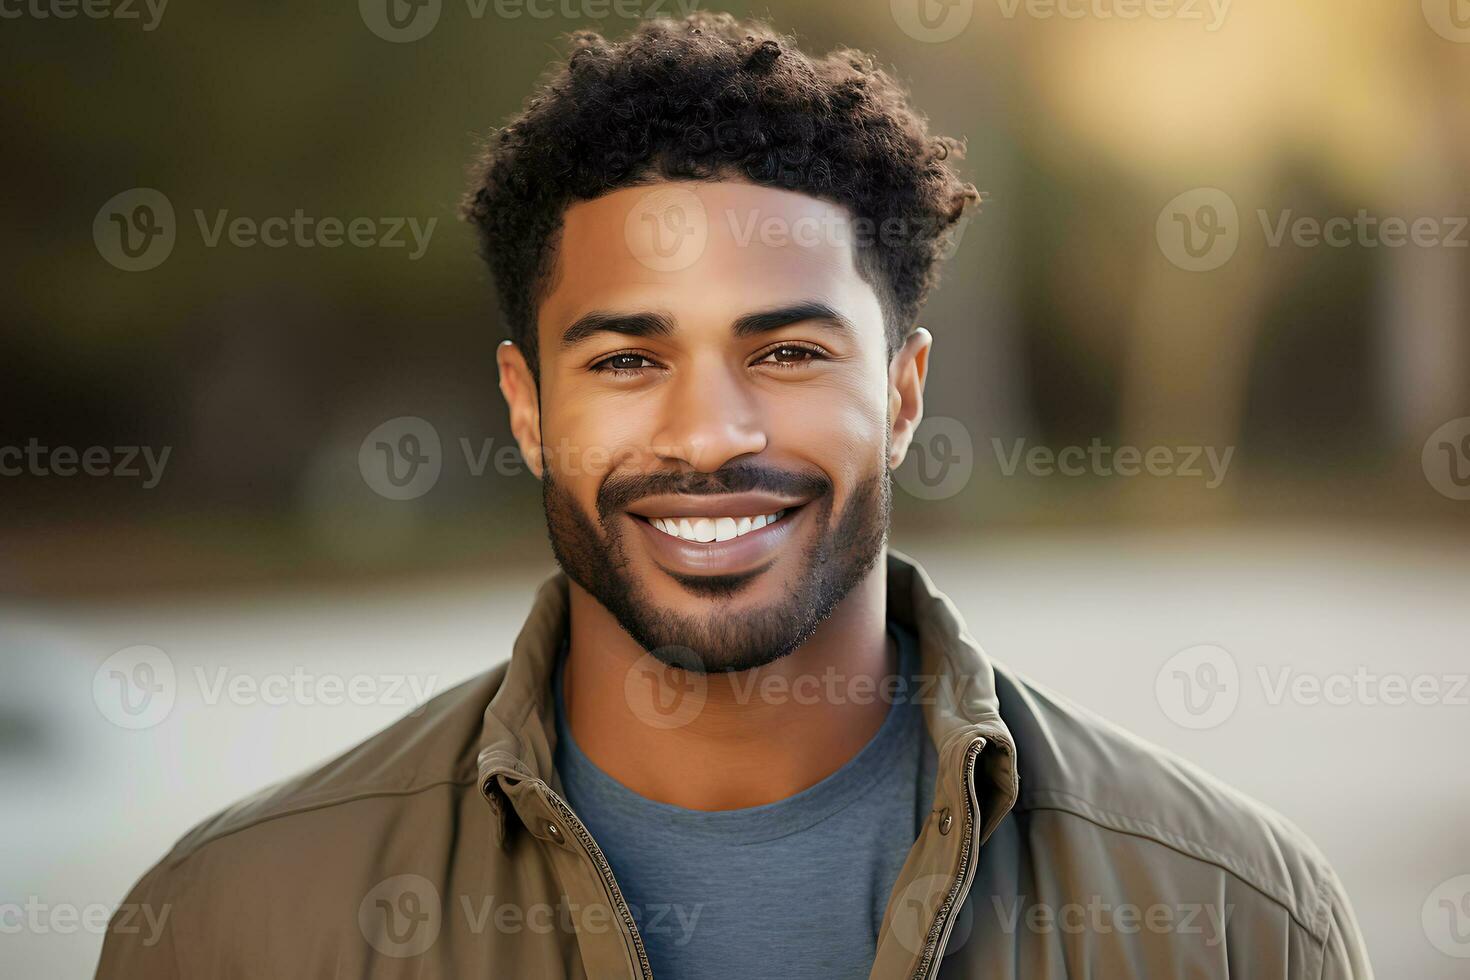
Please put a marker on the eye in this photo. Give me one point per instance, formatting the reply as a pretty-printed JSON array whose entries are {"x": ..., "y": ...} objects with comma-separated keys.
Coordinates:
[
  {"x": 625, "y": 363},
  {"x": 790, "y": 355}
]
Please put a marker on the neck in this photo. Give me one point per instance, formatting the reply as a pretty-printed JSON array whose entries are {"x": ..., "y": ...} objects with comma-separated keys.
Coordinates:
[{"x": 734, "y": 740}]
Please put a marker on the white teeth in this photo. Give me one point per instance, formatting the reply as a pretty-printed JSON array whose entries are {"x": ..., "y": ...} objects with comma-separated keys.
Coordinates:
[{"x": 707, "y": 529}]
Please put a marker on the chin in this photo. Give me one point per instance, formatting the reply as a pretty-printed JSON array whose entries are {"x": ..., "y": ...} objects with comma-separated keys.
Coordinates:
[{"x": 760, "y": 622}]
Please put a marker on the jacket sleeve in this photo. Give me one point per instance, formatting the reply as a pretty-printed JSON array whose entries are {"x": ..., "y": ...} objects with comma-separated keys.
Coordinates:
[
  {"x": 140, "y": 940},
  {"x": 1344, "y": 955}
]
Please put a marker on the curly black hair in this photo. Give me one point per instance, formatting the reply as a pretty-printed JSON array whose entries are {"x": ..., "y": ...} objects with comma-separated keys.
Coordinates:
[{"x": 710, "y": 97}]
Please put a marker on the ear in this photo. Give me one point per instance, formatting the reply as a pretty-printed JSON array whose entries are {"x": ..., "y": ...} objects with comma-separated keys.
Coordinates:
[
  {"x": 906, "y": 374},
  {"x": 519, "y": 389}
]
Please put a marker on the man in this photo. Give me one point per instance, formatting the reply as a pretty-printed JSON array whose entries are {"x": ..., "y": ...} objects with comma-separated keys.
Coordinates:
[{"x": 737, "y": 737}]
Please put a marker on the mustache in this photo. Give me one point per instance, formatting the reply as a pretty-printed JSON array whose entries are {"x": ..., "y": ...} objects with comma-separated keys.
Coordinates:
[{"x": 621, "y": 489}]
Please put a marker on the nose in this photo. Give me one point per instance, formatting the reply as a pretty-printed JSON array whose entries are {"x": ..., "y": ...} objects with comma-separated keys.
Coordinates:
[{"x": 709, "y": 417}]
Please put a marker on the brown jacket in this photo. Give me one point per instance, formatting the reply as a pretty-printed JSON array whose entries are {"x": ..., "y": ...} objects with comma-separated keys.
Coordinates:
[{"x": 1058, "y": 846}]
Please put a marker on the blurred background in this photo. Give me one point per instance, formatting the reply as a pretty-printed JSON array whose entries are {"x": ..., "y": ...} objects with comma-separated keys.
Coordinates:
[{"x": 1200, "y": 402}]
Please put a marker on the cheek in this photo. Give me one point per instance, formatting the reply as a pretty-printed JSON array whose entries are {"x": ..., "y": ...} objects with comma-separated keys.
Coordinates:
[
  {"x": 585, "y": 438},
  {"x": 840, "y": 427}
]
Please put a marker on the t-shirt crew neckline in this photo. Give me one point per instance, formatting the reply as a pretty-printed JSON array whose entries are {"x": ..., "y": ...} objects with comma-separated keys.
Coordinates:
[{"x": 751, "y": 825}]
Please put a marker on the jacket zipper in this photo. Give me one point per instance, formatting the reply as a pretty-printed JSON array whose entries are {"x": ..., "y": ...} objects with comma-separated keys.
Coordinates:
[
  {"x": 605, "y": 869},
  {"x": 944, "y": 921}
]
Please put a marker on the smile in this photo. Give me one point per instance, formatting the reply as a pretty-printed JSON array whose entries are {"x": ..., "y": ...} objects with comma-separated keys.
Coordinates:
[
  {"x": 707, "y": 529},
  {"x": 718, "y": 535}
]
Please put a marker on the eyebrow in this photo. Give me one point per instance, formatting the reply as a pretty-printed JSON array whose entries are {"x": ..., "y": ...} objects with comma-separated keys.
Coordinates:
[
  {"x": 631, "y": 324},
  {"x": 767, "y": 320},
  {"x": 658, "y": 324}
]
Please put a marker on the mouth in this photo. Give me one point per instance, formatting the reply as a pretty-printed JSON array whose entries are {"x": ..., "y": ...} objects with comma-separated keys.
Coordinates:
[
  {"x": 720, "y": 535},
  {"x": 707, "y": 529}
]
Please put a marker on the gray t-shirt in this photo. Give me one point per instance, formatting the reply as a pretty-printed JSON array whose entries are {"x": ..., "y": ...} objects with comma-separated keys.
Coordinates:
[{"x": 793, "y": 889}]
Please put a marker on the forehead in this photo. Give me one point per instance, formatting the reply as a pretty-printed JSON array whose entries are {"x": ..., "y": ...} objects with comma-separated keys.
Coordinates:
[{"x": 705, "y": 252}]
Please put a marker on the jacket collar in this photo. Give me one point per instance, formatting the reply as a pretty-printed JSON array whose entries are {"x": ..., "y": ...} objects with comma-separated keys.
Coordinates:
[{"x": 961, "y": 706}]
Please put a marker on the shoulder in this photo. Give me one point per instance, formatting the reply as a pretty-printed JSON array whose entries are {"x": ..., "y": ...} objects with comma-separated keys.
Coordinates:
[
  {"x": 424, "y": 755},
  {"x": 304, "y": 857},
  {"x": 1099, "y": 786}
]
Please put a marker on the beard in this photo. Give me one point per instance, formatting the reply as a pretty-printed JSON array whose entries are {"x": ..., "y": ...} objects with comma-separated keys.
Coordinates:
[{"x": 594, "y": 554}]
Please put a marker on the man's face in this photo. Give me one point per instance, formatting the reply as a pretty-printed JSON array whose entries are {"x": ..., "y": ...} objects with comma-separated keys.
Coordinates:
[{"x": 714, "y": 417}]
